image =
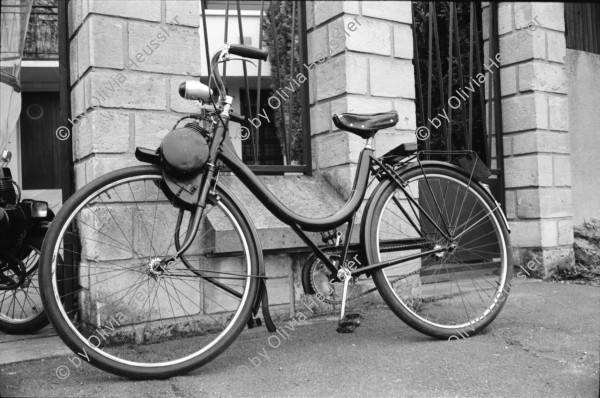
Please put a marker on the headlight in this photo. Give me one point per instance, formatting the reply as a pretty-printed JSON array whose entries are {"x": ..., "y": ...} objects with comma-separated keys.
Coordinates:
[{"x": 39, "y": 209}]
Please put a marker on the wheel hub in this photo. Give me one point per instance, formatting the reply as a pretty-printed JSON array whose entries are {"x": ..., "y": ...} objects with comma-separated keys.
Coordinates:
[{"x": 155, "y": 267}]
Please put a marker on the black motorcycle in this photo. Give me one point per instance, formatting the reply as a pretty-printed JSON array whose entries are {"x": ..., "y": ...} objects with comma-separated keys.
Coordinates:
[{"x": 23, "y": 225}]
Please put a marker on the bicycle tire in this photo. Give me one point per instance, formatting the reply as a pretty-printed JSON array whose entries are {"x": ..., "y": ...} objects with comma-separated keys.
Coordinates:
[
  {"x": 160, "y": 352},
  {"x": 412, "y": 296}
]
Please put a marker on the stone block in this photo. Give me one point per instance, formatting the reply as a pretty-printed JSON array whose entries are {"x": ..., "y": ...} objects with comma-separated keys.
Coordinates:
[
  {"x": 540, "y": 141},
  {"x": 320, "y": 117},
  {"x": 337, "y": 148},
  {"x": 312, "y": 86},
  {"x": 391, "y": 77},
  {"x": 148, "y": 10},
  {"x": 504, "y": 17},
  {"x": 534, "y": 233},
  {"x": 397, "y": 11},
  {"x": 507, "y": 146},
  {"x": 557, "y": 46},
  {"x": 112, "y": 89},
  {"x": 340, "y": 178},
  {"x": 542, "y": 263},
  {"x": 544, "y": 203},
  {"x": 186, "y": 12},
  {"x": 562, "y": 170},
  {"x": 278, "y": 265},
  {"x": 541, "y": 76},
  {"x": 523, "y": 16},
  {"x": 553, "y": 257},
  {"x": 310, "y": 15},
  {"x": 522, "y": 45},
  {"x": 331, "y": 78},
  {"x": 565, "y": 232},
  {"x": 485, "y": 23},
  {"x": 356, "y": 73},
  {"x": 407, "y": 114},
  {"x": 100, "y": 165},
  {"x": 164, "y": 48},
  {"x": 78, "y": 106},
  {"x": 549, "y": 15},
  {"x": 525, "y": 233},
  {"x": 326, "y": 10},
  {"x": 104, "y": 45},
  {"x": 510, "y": 204},
  {"x": 559, "y": 113},
  {"x": 102, "y": 132},
  {"x": 508, "y": 81},
  {"x": 360, "y": 104},
  {"x": 336, "y": 34},
  {"x": 524, "y": 112},
  {"x": 150, "y": 128},
  {"x": 279, "y": 291},
  {"x": 73, "y": 69},
  {"x": 106, "y": 233},
  {"x": 369, "y": 36},
  {"x": 388, "y": 139},
  {"x": 403, "y": 41},
  {"x": 317, "y": 44},
  {"x": 76, "y": 12},
  {"x": 339, "y": 105},
  {"x": 79, "y": 174},
  {"x": 528, "y": 171}
]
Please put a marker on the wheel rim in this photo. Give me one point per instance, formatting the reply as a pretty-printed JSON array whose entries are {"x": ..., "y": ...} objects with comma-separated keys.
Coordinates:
[
  {"x": 459, "y": 289},
  {"x": 23, "y": 304},
  {"x": 163, "y": 322}
]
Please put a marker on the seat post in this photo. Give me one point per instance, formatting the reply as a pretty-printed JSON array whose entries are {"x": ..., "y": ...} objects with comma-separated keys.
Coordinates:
[{"x": 369, "y": 144}]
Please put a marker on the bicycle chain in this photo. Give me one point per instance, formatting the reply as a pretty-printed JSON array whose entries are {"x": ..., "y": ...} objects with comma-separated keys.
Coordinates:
[{"x": 404, "y": 246}]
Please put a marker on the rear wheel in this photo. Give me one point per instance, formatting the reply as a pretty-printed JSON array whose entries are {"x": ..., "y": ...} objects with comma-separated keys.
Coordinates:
[
  {"x": 111, "y": 299},
  {"x": 452, "y": 293}
]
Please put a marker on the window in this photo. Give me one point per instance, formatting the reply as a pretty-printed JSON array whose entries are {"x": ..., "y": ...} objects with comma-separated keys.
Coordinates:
[{"x": 265, "y": 144}]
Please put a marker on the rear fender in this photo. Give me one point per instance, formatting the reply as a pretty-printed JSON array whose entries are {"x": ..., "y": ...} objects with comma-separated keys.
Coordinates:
[{"x": 414, "y": 165}]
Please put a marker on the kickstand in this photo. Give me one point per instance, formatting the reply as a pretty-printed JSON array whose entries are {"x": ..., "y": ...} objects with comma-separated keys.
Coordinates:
[{"x": 347, "y": 323}]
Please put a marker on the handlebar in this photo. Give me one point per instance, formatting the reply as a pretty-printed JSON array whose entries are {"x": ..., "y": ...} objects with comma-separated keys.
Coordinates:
[
  {"x": 248, "y": 52},
  {"x": 235, "y": 49}
]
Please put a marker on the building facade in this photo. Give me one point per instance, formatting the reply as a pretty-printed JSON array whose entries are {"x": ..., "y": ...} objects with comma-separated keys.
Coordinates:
[{"x": 126, "y": 60}]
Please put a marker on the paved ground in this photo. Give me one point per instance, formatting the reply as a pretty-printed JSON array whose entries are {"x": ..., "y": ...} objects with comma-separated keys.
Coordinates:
[{"x": 545, "y": 343}]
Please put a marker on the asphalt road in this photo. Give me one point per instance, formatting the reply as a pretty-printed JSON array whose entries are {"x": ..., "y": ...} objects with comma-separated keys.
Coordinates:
[{"x": 545, "y": 343}]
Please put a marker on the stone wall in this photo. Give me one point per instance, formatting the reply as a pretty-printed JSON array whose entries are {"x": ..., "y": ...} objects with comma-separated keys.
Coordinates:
[
  {"x": 584, "y": 131},
  {"x": 535, "y": 129},
  {"x": 128, "y": 58},
  {"x": 127, "y": 61},
  {"x": 360, "y": 58}
]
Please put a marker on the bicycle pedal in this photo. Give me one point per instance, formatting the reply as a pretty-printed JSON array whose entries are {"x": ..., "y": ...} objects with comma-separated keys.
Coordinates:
[
  {"x": 346, "y": 329},
  {"x": 349, "y": 323},
  {"x": 354, "y": 316}
]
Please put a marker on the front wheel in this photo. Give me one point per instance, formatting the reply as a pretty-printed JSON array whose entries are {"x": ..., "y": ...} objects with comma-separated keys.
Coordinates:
[
  {"x": 455, "y": 292},
  {"x": 113, "y": 302}
]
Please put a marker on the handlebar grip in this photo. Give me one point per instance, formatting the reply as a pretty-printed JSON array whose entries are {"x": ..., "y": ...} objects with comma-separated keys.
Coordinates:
[
  {"x": 248, "y": 51},
  {"x": 236, "y": 117}
]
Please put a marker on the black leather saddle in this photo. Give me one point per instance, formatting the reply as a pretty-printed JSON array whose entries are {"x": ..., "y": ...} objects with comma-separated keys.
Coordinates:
[{"x": 365, "y": 125}]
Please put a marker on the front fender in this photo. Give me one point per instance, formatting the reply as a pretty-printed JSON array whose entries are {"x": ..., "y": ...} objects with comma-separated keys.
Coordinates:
[{"x": 262, "y": 292}]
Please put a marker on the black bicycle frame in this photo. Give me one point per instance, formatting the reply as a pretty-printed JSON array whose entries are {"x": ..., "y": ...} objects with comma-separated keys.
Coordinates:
[{"x": 221, "y": 149}]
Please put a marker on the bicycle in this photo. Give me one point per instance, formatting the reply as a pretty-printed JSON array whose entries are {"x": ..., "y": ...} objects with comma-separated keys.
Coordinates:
[{"x": 142, "y": 307}]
